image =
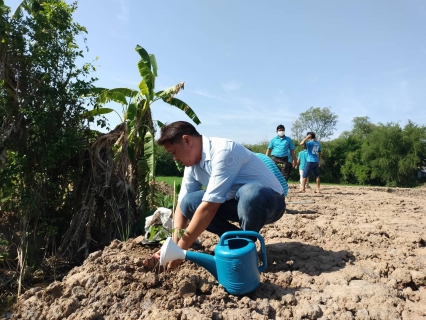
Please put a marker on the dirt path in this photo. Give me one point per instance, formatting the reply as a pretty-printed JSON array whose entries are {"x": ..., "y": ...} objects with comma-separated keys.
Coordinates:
[{"x": 348, "y": 253}]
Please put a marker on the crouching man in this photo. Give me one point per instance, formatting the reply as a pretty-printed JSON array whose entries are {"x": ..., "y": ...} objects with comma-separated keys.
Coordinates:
[{"x": 239, "y": 187}]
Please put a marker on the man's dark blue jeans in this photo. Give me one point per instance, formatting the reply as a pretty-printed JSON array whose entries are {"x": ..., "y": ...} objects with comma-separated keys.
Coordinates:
[{"x": 253, "y": 207}]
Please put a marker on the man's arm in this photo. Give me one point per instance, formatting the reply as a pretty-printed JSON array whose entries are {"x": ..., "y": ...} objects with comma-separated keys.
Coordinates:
[
  {"x": 199, "y": 222},
  {"x": 293, "y": 157},
  {"x": 269, "y": 148},
  {"x": 179, "y": 222},
  {"x": 303, "y": 142},
  {"x": 268, "y": 152},
  {"x": 319, "y": 159}
]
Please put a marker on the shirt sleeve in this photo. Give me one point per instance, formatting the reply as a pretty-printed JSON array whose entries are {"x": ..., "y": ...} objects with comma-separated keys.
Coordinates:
[
  {"x": 226, "y": 166},
  {"x": 290, "y": 144},
  {"x": 189, "y": 184},
  {"x": 271, "y": 144}
]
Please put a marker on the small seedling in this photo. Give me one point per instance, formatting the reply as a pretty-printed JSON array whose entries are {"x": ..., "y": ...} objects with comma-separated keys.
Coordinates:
[{"x": 161, "y": 233}]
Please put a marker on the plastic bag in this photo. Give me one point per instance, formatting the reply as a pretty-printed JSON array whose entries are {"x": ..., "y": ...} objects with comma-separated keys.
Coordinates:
[{"x": 158, "y": 226}]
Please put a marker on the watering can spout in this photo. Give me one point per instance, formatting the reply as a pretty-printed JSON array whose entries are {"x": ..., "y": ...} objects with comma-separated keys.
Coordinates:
[
  {"x": 207, "y": 261},
  {"x": 171, "y": 251}
]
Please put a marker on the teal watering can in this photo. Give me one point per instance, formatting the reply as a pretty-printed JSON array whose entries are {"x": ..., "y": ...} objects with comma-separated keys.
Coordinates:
[{"x": 234, "y": 265}]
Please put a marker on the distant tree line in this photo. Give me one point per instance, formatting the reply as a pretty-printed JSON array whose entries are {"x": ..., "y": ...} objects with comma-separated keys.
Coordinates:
[{"x": 370, "y": 154}]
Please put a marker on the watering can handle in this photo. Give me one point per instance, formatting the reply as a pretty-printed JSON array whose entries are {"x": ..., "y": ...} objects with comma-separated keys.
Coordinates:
[{"x": 244, "y": 234}]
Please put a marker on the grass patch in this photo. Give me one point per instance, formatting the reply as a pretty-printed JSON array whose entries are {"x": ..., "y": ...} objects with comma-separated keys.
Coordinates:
[{"x": 170, "y": 180}]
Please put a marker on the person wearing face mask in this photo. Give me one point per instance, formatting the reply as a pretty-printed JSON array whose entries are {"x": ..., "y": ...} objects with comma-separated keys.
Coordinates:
[{"x": 281, "y": 150}]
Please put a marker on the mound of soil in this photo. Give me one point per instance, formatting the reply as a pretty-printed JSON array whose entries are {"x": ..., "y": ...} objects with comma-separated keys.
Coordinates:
[{"x": 348, "y": 253}]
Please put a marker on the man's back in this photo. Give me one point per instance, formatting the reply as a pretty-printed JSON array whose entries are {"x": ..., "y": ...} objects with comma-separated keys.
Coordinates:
[
  {"x": 313, "y": 147},
  {"x": 273, "y": 167},
  {"x": 225, "y": 166}
]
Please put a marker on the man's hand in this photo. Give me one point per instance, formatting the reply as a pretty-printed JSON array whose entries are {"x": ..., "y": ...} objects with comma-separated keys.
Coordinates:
[
  {"x": 201, "y": 219},
  {"x": 157, "y": 255},
  {"x": 199, "y": 222},
  {"x": 302, "y": 143},
  {"x": 171, "y": 265}
]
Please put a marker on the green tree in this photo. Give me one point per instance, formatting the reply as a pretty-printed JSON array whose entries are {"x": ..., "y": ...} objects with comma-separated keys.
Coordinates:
[
  {"x": 137, "y": 106},
  {"x": 361, "y": 128},
  {"x": 42, "y": 133},
  {"x": 383, "y": 150},
  {"x": 355, "y": 169},
  {"x": 165, "y": 165},
  {"x": 259, "y": 147},
  {"x": 321, "y": 121},
  {"x": 394, "y": 153}
]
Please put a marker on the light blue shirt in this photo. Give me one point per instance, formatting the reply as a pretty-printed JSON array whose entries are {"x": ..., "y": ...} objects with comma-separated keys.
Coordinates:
[
  {"x": 302, "y": 156},
  {"x": 281, "y": 147},
  {"x": 225, "y": 166},
  {"x": 273, "y": 167}
]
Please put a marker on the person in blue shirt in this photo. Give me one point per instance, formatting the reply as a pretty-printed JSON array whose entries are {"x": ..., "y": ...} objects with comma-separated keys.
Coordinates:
[
  {"x": 239, "y": 187},
  {"x": 301, "y": 161},
  {"x": 281, "y": 149},
  {"x": 313, "y": 160}
]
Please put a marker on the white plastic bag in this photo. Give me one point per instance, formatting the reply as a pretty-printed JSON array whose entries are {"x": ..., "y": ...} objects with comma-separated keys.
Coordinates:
[{"x": 161, "y": 217}]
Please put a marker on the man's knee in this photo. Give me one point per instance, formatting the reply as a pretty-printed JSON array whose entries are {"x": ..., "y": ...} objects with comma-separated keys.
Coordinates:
[
  {"x": 185, "y": 207},
  {"x": 190, "y": 203},
  {"x": 250, "y": 192}
]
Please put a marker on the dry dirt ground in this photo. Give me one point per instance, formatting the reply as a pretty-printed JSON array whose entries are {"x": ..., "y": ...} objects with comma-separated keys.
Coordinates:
[{"x": 348, "y": 253}]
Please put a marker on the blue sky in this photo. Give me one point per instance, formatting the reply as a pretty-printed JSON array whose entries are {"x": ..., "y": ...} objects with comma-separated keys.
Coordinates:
[{"x": 251, "y": 65}]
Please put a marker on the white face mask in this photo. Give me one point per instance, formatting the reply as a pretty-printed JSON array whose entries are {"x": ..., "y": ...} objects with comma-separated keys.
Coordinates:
[{"x": 281, "y": 133}]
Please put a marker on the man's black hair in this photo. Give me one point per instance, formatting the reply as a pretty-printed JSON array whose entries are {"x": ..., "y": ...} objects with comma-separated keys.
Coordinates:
[{"x": 173, "y": 132}]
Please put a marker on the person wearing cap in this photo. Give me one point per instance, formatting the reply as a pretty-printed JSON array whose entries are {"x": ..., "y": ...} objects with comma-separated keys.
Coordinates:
[
  {"x": 280, "y": 149},
  {"x": 313, "y": 161}
]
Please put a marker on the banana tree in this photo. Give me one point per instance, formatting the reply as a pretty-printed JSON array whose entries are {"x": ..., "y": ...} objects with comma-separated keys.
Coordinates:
[{"x": 137, "y": 114}]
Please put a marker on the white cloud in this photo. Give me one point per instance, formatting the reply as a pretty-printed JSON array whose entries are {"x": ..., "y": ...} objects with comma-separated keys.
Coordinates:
[
  {"x": 206, "y": 94},
  {"x": 231, "y": 86},
  {"x": 123, "y": 14}
]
